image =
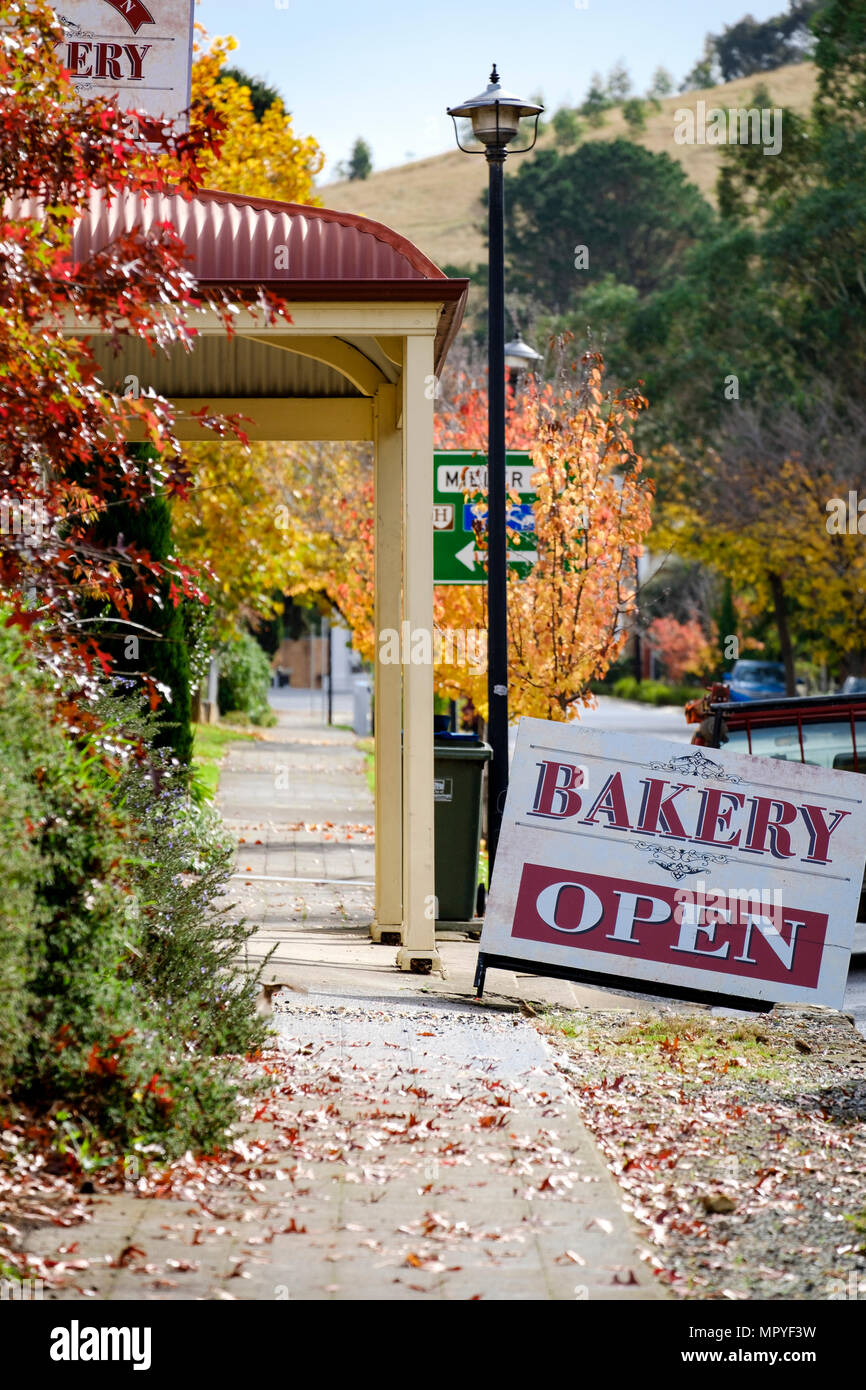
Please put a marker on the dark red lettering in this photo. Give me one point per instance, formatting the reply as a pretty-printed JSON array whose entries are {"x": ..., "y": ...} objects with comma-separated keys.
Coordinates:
[
  {"x": 819, "y": 832},
  {"x": 713, "y": 818},
  {"x": 108, "y": 57},
  {"x": 553, "y": 788},
  {"x": 761, "y": 827},
  {"x": 610, "y": 802},
  {"x": 136, "y": 53},
  {"x": 75, "y": 51},
  {"x": 658, "y": 809}
]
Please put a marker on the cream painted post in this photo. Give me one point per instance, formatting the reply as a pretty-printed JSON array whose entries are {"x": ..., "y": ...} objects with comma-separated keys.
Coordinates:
[
  {"x": 388, "y": 463},
  {"x": 418, "y": 951}
]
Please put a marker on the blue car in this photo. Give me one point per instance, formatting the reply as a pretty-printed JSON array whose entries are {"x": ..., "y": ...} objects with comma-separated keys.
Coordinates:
[{"x": 757, "y": 680}]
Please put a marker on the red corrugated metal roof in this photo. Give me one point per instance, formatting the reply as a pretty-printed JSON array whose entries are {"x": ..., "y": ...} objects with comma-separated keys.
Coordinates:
[{"x": 232, "y": 238}]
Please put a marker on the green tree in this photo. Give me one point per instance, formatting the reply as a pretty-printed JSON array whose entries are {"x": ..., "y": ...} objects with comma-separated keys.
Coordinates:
[
  {"x": 359, "y": 165},
  {"x": 635, "y": 211},
  {"x": 662, "y": 83},
  {"x": 596, "y": 102},
  {"x": 808, "y": 206},
  {"x": 150, "y": 639},
  {"x": 776, "y": 303},
  {"x": 618, "y": 82},
  {"x": 634, "y": 114},
  {"x": 712, "y": 337},
  {"x": 840, "y": 53},
  {"x": 751, "y": 45},
  {"x": 566, "y": 127},
  {"x": 703, "y": 74},
  {"x": 262, "y": 95}
]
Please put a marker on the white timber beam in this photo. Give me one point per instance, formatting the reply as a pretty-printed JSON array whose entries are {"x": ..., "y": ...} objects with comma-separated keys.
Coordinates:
[
  {"x": 388, "y": 924},
  {"x": 418, "y": 951}
]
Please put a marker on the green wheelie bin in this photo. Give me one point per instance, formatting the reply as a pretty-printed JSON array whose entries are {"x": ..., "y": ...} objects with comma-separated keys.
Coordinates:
[{"x": 458, "y": 766}]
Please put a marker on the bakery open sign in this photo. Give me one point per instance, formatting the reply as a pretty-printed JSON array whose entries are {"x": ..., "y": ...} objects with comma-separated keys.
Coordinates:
[
  {"x": 138, "y": 50},
  {"x": 683, "y": 871}
]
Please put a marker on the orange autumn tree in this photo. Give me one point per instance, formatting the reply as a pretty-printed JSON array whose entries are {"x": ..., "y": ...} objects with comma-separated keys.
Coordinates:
[
  {"x": 592, "y": 514},
  {"x": 329, "y": 496},
  {"x": 591, "y": 517},
  {"x": 684, "y": 648},
  {"x": 329, "y": 521}
]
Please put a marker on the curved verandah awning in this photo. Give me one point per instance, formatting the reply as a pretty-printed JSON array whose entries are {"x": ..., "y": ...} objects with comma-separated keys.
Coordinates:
[{"x": 372, "y": 320}]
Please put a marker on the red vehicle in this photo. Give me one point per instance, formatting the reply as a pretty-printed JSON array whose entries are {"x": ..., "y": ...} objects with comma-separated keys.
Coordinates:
[{"x": 825, "y": 730}]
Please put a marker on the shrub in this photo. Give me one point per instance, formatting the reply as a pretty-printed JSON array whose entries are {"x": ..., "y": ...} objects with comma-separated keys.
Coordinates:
[
  {"x": 626, "y": 688},
  {"x": 123, "y": 989},
  {"x": 654, "y": 692},
  {"x": 22, "y": 729},
  {"x": 634, "y": 114},
  {"x": 70, "y": 850},
  {"x": 245, "y": 676},
  {"x": 566, "y": 126},
  {"x": 189, "y": 974}
]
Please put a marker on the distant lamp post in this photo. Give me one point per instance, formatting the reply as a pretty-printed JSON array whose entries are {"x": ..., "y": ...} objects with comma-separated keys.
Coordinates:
[
  {"x": 496, "y": 115},
  {"x": 519, "y": 358}
]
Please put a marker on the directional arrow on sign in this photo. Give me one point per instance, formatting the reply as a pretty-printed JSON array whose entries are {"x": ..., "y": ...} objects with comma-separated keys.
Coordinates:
[
  {"x": 457, "y": 475},
  {"x": 469, "y": 553}
]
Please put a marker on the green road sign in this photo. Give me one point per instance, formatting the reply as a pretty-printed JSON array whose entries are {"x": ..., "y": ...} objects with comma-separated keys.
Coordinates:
[{"x": 459, "y": 493}]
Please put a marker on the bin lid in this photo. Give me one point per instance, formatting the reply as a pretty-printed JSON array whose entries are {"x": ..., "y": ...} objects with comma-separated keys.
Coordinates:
[{"x": 461, "y": 745}]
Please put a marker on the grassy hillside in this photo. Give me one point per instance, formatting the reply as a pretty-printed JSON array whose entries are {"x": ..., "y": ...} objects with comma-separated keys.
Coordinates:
[{"x": 436, "y": 202}]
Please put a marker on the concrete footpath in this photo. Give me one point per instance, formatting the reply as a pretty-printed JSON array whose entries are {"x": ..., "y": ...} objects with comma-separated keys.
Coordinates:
[
  {"x": 414, "y": 1144},
  {"x": 299, "y": 804}
]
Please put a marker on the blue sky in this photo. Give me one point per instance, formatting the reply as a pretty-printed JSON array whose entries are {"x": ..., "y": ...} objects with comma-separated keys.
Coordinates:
[{"x": 386, "y": 69}]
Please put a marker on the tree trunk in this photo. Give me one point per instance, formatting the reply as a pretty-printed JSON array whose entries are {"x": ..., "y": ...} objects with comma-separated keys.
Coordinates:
[{"x": 780, "y": 609}]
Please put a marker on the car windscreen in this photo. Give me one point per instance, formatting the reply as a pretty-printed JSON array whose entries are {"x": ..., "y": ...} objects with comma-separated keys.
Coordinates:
[
  {"x": 826, "y": 743},
  {"x": 751, "y": 675}
]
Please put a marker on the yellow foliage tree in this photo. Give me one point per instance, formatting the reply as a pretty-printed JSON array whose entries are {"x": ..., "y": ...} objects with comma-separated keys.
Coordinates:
[
  {"x": 263, "y": 159},
  {"x": 329, "y": 528},
  {"x": 768, "y": 508},
  {"x": 229, "y": 528},
  {"x": 229, "y": 525},
  {"x": 277, "y": 520}
]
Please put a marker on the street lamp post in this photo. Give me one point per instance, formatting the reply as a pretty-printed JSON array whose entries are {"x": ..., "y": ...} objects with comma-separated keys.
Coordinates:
[
  {"x": 519, "y": 358},
  {"x": 496, "y": 115}
]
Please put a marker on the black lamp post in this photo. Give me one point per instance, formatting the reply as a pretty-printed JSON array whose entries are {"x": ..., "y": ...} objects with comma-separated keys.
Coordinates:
[{"x": 496, "y": 116}]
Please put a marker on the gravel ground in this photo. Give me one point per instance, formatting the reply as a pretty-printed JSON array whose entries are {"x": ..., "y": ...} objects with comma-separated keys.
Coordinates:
[{"x": 739, "y": 1144}]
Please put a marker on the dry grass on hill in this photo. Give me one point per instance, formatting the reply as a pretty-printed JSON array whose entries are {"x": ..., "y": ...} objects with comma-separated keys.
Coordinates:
[{"x": 436, "y": 202}]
